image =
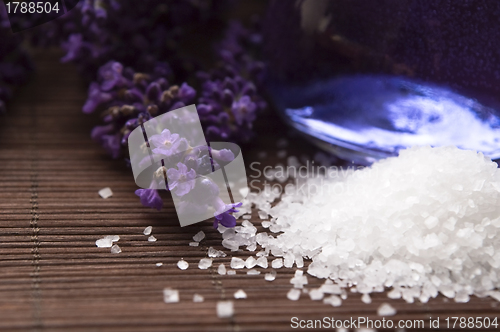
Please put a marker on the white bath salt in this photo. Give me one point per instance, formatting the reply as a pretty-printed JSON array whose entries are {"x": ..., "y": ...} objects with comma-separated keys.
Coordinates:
[
  {"x": 266, "y": 224},
  {"x": 199, "y": 236},
  {"x": 247, "y": 217},
  {"x": 215, "y": 253},
  {"x": 182, "y": 264},
  {"x": 333, "y": 300},
  {"x": 262, "y": 262},
  {"x": 253, "y": 272},
  {"x": 115, "y": 249},
  {"x": 263, "y": 215},
  {"x": 170, "y": 295},
  {"x": 105, "y": 192},
  {"x": 148, "y": 230},
  {"x": 205, "y": 263},
  {"x": 408, "y": 223},
  {"x": 271, "y": 276},
  {"x": 159, "y": 264},
  {"x": 299, "y": 279},
  {"x": 293, "y": 294},
  {"x": 237, "y": 263},
  {"x": 225, "y": 309},
  {"x": 231, "y": 272},
  {"x": 365, "y": 298},
  {"x": 151, "y": 238},
  {"x": 197, "y": 298},
  {"x": 250, "y": 262},
  {"x": 281, "y": 154},
  {"x": 194, "y": 244},
  {"x": 240, "y": 294},
  {"x": 107, "y": 241},
  {"x": 221, "y": 269},
  {"x": 316, "y": 294},
  {"x": 277, "y": 263},
  {"x": 385, "y": 309}
]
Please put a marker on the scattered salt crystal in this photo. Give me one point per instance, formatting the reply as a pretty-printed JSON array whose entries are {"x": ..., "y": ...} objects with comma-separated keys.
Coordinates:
[
  {"x": 198, "y": 298},
  {"x": 386, "y": 309},
  {"x": 231, "y": 272},
  {"x": 270, "y": 276},
  {"x": 151, "y": 238},
  {"x": 159, "y": 264},
  {"x": 147, "y": 230},
  {"x": 225, "y": 309},
  {"x": 115, "y": 249},
  {"x": 194, "y": 244},
  {"x": 105, "y": 192},
  {"x": 237, "y": 263},
  {"x": 199, "y": 236},
  {"x": 170, "y": 295},
  {"x": 247, "y": 217},
  {"x": 253, "y": 272},
  {"x": 365, "y": 298},
  {"x": 266, "y": 224},
  {"x": 333, "y": 300},
  {"x": 240, "y": 294},
  {"x": 250, "y": 262},
  {"x": 221, "y": 269},
  {"x": 277, "y": 263},
  {"x": 262, "y": 262},
  {"x": 293, "y": 294},
  {"x": 263, "y": 215},
  {"x": 316, "y": 294},
  {"x": 215, "y": 253},
  {"x": 107, "y": 241},
  {"x": 205, "y": 263},
  {"x": 182, "y": 264}
]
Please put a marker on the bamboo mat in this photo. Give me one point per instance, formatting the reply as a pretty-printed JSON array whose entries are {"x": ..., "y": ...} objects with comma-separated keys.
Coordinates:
[{"x": 54, "y": 278}]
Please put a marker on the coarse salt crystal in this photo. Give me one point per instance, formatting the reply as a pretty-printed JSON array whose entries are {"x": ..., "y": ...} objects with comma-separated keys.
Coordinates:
[
  {"x": 225, "y": 309},
  {"x": 198, "y": 298},
  {"x": 170, "y": 295},
  {"x": 253, "y": 272},
  {"x": 205, "y": 263},
  {"x": 293, "y": 294},
  {"x": 194, "y": 244},
  {"x": 231, "y": 272},
  {"x": 105, "y": 192},
  {"x": 237, "y": 263},
  {"x": 250, "y": 262},
  {"x": 151, "y": 238},
  {"x": 148, "y": 230},
  {"x": 159, "y": 264},
  {"x": 365, "y": 298},
  {"x": 385, "y": 309},
  {"x": 277, "y": 263},
  {"x": 270, "y": 276},
  {"x": 182, "y": 264},
  {"x": 115, "y": 249},
  {"x": 333, "y": 300},
  {"x": 221, "y": 269},
  {"x": 240, "y": 294},
  {"x": 199, "y": 236},
  {"x": 107, "y": 241}
]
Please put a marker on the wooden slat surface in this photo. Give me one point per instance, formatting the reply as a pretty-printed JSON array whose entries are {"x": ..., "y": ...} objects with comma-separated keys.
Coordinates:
[{"x": 54, "y": 278}]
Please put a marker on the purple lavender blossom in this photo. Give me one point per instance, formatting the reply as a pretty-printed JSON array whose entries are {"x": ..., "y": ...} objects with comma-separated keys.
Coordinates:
[
  {"x": 225, "y": 218},
  {"x": 180, "y": 180},
  {"x": 167, "y": 144},
  {"x": 150, "y": 198}
]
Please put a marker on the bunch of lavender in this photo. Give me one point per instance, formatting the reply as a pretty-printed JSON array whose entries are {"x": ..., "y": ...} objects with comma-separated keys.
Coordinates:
[
  {"x": 15, "y": 64},
  {"x": 137, "y": 35},
  {"x": 187, "y": 168}
]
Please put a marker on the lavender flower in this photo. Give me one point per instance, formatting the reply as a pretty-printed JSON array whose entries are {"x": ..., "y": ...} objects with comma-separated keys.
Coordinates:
[
  {"x": 167, "y": 144},
  {"x": 225, "y": 218},
  {"x": 181, "y": 180},
  {"x": 150, "y": 198}
]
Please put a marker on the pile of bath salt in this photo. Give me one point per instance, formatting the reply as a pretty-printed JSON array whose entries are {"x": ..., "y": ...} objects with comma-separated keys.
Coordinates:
[{"x": 425, "y": 222}]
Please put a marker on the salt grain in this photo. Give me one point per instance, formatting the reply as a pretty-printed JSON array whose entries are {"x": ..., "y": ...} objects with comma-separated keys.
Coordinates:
[
  {"x": 151, "y": 239},
  {"x": 231, "y": 272},
  {"x": 263, "y": 215},
  {"x": 159, "y": 264},
  {"x": 194, "y": 244},
  {"x": 237, "y": 263},
  {"x": 221, "y": 269},
  {"x": 240, "y": 294},
  {"x": 115, "y": 249},
  {"x": 386, "y": 309},
  {"x": 182, "y": 264},
  {"x": 107, "y": 241},
  {"x": 147, "y": 230},
  {"x": 270, "y": 276},
  {"x": 215, "y": 253},
  {"x": 293, "y": 294},
  {"x": 199, "y": 236},
  {"x": 205, "y": 263},
  {"x": 105, "y": 192},
  {"x": 225, "y": 309},
  {"x": 277, "y": 263},
  {"x": 365, "y": 298},
  {"x": 333, "y": 300},
  {"x": 250, "y": 262},
  {"x": 262, "y": 262},
  {"x": 253, "y": 272},
  {"x": 170, "y": 295},
  {"x": 198, "y": 298}
]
